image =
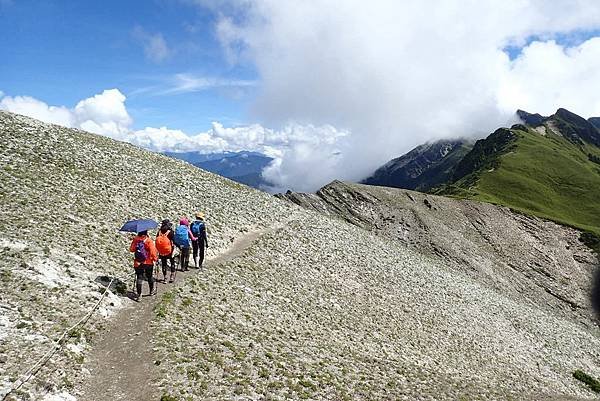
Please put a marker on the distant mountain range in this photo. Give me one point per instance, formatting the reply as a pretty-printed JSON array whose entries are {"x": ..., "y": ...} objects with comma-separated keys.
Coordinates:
[
  {"x": 244, "y": 167},
  {"x": 548, "y": 166}
]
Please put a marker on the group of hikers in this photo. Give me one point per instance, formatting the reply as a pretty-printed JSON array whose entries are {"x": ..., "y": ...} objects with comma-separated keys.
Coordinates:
[{"x": 147, "y": 252}]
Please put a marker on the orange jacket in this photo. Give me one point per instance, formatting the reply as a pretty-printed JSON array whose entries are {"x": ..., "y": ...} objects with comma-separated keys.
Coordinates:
[{"x": 152, "y": 254}]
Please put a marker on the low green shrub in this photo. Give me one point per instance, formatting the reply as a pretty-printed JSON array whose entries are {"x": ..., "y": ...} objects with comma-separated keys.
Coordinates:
[{"x": 592, "y": 383}]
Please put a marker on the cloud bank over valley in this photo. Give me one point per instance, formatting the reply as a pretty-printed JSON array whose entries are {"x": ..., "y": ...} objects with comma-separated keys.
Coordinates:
[{"x": 344, "y": 86}]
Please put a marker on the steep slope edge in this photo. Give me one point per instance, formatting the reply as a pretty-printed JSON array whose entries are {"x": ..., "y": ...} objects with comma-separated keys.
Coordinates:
[
  {"x": 525, "y": 258},
  {"x": 64, "y": 194}
]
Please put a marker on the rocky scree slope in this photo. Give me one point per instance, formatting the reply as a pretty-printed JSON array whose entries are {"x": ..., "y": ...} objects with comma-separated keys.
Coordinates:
[
  {"x": 532, "y": 261},
  {"x": 323, "y": 309},
  {"x": 64, "y": 193}
]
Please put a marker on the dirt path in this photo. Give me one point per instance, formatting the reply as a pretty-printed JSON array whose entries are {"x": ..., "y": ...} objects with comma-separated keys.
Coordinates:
[{"x": 121, "y": 362}]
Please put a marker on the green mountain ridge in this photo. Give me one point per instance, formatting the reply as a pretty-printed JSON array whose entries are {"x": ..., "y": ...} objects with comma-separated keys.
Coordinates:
[
  {"x": 548, "y": 171},
  {"x": 424, "y": 167},
  {"x": 546, "y": 166}
]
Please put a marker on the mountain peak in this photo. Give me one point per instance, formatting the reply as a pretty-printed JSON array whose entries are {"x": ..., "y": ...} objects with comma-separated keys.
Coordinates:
[
  {"x": 531, "y": 119},
  {"x": 568, "y": 115},
  {"x": 576, "y": 128}
]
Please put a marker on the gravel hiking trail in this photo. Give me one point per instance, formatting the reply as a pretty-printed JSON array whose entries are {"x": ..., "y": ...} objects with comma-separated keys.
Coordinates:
[{"x": 121, "y": 361}]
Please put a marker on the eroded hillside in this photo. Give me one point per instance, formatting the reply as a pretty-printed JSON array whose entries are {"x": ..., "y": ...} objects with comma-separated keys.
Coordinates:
[
  {"x": 532, "y": 260},
  {"x": 321, "y": 309}
]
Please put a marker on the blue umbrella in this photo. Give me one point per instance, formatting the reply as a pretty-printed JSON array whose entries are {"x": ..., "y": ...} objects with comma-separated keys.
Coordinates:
[{"x": 136, "y": 226}]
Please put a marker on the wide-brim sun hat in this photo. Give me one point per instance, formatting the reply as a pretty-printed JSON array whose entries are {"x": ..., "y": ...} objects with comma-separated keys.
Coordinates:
[{"x": 200, "y": 215}]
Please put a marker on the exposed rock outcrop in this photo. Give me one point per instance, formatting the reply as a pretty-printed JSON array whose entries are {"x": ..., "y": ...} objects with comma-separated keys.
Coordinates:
[{"x": 530, "y": 259}]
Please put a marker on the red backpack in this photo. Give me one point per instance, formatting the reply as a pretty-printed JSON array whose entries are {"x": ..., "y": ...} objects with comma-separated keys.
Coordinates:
[{"x": 163, "y": 244}]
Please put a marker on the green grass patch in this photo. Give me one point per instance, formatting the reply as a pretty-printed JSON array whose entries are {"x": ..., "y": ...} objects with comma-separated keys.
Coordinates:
[
  {"x": 592, "y": 383},
  {"x": 167, "y": 300},
  {"x": 546, "y": 176}
]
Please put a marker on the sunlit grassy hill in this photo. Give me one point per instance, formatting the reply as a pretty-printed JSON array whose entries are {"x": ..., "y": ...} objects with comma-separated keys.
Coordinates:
[{"x": 551, "y": 170}]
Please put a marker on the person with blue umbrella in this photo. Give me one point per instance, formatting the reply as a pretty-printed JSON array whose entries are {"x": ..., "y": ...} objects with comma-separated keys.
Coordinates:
[{"x": 144, "y": 253}]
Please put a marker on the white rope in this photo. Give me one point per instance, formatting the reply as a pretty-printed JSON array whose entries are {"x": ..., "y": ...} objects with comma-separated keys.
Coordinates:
[{"x": 25, "y": 377}]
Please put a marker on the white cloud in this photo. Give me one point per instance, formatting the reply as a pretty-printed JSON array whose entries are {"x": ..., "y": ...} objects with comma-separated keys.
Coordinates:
[
  {"x": 188, "y": 83},
  {"x": 155, "y": 45},
  {"x": 396, "y": 73},
  {"x": 37, "y": 109},
  {"x": 104, "y": 113},
  {"x": 548, "y": 75},
  {"x": 183, "y": 83}
]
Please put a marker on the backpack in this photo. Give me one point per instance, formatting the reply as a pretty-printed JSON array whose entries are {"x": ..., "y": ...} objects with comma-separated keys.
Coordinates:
[
  {"x": 163, "y": 243},
  {"x": 197, "y": 227},
  {"x": 141, "y": 253},
  {"x": 181, "y": 237}
]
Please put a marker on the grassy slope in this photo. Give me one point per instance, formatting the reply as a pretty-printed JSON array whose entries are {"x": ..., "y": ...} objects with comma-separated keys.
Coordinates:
[{"x": 547, "y": 176}]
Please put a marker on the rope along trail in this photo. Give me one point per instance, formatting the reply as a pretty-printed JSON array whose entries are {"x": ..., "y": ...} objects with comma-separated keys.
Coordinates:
[
  {"x": 121, "y": 364},
  {"x": 57, "y": 344}
]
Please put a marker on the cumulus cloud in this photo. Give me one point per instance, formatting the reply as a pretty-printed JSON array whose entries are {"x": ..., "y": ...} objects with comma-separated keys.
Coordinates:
[
  {"x": 104, "y": 113},
  {"x": 292, "y": 140},
  {"x": 154, "y": 44},
  {"x": 395, "y": 74},
  {"x": 547, "y": 75},
  {"x": 32, "y": 107}
]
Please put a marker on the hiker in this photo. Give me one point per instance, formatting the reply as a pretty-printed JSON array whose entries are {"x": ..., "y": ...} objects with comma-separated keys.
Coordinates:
[
  {"x": 182, "y": 238},
  {"x": 198, "y": 229},
  {"x": 144, "y": 257},
  {"x": 164, "y": 246}
]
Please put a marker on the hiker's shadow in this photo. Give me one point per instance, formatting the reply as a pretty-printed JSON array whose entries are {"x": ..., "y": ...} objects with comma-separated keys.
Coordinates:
[{"x": 118, "y": 286}]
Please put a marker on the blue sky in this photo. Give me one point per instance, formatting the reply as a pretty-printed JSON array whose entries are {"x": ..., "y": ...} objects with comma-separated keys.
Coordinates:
[
  {"x": 331, "y": 88},
  {"x": 63, "y": 51},
  {"x": 568, "y": 39}
]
